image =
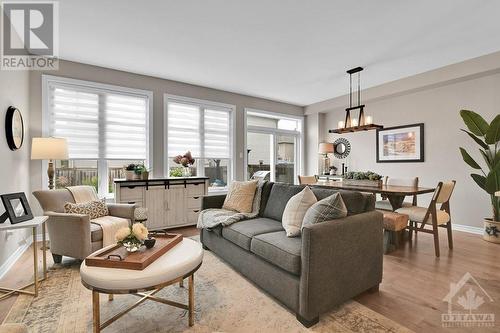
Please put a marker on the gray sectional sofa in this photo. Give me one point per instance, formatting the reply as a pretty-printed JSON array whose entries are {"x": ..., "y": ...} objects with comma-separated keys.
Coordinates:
[{"x": 329, "y": 264}]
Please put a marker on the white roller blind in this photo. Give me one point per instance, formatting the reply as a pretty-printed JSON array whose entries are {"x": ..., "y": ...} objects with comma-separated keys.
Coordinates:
[
  {"x": 74, "y": 115},
  {"x": 217, "y": 134},
  {"x": 183, "y": 129},
  {"x": 99, "y": 123},
  {"x": 126, "y": 127}
]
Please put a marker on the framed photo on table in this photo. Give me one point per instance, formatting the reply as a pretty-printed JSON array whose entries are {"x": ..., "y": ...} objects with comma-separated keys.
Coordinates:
[
  {"x": 17, "y": 208},
  {"x": 401, "y": 144}
]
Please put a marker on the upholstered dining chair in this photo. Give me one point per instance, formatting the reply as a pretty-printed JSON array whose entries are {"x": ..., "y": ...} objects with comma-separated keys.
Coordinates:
[
  {"x": 421, "y": 216},
  {"x": 384, "y": 204},
  {"x": 307, "y": 180}
]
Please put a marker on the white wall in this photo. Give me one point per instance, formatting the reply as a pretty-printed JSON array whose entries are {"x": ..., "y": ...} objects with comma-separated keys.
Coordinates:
[
  {"x": 437, "y": 108},
  {"x": 14, "y": 167}
]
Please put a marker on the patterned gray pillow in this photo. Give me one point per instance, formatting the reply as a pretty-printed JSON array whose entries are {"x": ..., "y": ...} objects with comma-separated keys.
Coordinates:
[
  {"x": 330, "y": 208},
  {"x": 94, "y": 209}
]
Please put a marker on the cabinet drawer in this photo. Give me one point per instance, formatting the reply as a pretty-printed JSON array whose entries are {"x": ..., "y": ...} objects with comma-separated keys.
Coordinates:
[
  {"x": 194, "y": 190},
  {"x": 131, "y": 194},
  {"x": 192, "y": 216},
  {"x": 194, "y": 202}
]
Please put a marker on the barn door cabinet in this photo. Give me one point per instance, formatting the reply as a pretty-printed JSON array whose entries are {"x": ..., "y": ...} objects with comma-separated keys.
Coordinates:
[{"x": 171, "y": 202}]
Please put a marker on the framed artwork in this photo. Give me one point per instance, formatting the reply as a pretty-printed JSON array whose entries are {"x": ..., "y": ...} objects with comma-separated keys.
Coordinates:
[
  {"x": 401, "y": 144},
  {"x": 17, "y": 208}
]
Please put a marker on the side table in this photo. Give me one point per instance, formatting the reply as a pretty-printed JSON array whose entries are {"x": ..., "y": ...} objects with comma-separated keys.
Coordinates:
[{"x": 33, "y": 225}]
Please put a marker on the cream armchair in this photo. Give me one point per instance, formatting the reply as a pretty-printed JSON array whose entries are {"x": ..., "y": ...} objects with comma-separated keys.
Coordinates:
[{"x": 74, "y": 235}]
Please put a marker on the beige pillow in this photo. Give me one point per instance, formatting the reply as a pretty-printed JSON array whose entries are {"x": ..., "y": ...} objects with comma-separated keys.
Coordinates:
[
  {"x": 94, "y": 209},
  {"x": 295, "y": 209},
  {"x": 240, "y": 196}
]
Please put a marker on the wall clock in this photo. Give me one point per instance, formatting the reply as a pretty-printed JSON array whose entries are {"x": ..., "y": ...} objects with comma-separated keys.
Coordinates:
[{"x": 14, "y": 128}]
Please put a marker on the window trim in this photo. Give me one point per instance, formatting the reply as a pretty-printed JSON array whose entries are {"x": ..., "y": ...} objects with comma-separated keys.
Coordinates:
[
  {"x": 274, "y": 131},
  {"x": 102, "y": 167},
  {"x": 205, "y": 104}
]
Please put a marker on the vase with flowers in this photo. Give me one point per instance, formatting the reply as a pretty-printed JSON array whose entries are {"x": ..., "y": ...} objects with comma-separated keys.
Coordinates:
[
  {"x": 132, "y": 238},
  {"x": 186, "y": 161}
]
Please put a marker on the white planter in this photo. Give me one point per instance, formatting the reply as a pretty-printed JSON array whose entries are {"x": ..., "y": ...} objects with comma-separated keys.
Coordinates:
[{"x": 491, "y": 231}]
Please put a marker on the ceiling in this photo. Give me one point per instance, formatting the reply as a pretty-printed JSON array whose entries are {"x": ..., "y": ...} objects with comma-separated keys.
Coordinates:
[{"x": 289, "y": 50}]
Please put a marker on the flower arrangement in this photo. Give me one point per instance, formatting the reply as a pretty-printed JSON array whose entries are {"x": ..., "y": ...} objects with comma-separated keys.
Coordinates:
[
  {"x": 132, "y": 237},
  {"x": 185, "y": 160}
]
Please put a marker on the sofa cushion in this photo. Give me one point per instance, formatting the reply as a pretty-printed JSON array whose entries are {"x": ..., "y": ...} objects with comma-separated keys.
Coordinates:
[
  {"x": 279, "y": 250},
  {"x": 95, "y": 232},
  {"x": 241, "y": 233},
  {"x": 264, "y": 197},
  {"x": 355, "y": 202},
  {"x": 280, "y": 194},
  {"x": 295, "y": 210}
]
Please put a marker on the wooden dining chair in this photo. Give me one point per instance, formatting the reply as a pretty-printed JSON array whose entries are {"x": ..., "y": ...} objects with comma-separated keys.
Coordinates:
[
  {"x": 385, "y": 204},
  {"x": 307, "y": 180},
  {"x": 419, "y": 217}
]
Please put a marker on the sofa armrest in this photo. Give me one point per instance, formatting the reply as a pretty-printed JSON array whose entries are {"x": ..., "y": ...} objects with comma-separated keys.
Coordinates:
[
  {"x": 213, "y": 201},
  {"x": 122, "y": 210},
  {"x": 69, "y": 234},
  {"x": 340, "y": 259}
]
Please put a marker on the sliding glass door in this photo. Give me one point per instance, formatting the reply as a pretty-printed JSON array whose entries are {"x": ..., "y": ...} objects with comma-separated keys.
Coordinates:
[{"x": 273, "y": 147}]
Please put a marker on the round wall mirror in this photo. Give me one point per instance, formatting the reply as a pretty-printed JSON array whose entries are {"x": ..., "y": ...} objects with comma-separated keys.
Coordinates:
[
  {"x": 341, "y": 148},
  {"x": 14, "y": 128}
]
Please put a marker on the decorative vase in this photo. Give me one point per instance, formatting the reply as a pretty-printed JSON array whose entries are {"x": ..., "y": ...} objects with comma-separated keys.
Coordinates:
[
  {"x": 491, "y": 231},
  {"x": 149, "y": 242},
  {"x": 145, "y": 175},
  {"x": 132, "y": 246},
  {"x": 129, "y": 174},
  {"x": 186, "y": 172}
]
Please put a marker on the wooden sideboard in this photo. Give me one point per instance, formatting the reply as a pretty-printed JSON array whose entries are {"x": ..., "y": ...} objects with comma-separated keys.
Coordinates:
[{"x": 171, "y": 202}]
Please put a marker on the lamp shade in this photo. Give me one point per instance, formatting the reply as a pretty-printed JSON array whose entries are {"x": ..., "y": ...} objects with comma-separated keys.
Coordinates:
[
  {"x": 325, "y": 148},
  {"x": 49, "y": 149}
]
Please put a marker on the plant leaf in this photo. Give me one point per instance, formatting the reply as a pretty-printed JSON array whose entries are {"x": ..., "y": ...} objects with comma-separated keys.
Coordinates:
[
  {"x": 492, "y": 183},
  {"x": 468, "y": 159},
  {"x": 480, "y": 180},
  {"x": 493, "y": 133},
  {"x": 478, "y": 140},
  {"x": 487, "y": 158},
  {"x": 474, "y": 122}
]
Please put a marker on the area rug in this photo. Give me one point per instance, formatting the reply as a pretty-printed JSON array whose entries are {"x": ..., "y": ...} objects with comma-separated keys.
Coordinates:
[{"x": 225, "y": 302}]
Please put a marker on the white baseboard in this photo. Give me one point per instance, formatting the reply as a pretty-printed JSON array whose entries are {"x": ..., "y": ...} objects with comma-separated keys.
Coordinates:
[
  {"x": 7, "y": 265},
  {"x": 468, "y": 228}
]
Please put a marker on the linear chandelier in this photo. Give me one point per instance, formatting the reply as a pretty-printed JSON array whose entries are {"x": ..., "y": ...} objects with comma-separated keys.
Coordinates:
[{"x": 361, "y": 123}]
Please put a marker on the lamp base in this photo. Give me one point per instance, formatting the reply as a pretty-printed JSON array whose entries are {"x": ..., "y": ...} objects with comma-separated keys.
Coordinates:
[{"x": 50, "y": 173}]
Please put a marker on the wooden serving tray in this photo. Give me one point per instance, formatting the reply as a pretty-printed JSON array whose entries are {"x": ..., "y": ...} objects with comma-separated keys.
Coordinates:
[{"x": 118, "y": 257}]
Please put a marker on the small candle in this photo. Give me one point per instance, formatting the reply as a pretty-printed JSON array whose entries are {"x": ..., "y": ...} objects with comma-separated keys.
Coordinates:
[
  {"x": 354, "y": 122},
  {"x": 341, "y": 124},
  {"x": 369, "y": 120}
]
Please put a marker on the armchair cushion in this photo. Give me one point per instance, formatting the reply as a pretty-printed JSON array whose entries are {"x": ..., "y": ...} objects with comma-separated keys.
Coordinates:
[{"x": 94, "y": 209}]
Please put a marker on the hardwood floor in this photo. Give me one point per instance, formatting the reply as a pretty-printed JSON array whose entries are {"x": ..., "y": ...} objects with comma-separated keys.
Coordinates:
[{"x": 414, "y": 284}]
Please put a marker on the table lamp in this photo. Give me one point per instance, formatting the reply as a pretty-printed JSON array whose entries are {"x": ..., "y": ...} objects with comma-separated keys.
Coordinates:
[
  {"x": 325, "y": 148},
  {"x": 49, "y": 149}
]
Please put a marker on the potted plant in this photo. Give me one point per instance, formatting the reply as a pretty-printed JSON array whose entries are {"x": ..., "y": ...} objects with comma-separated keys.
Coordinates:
[
  {"x": 369, "y": 178},
  {"x": 130, "y": 171},
  {"x": 487, "y": 137},
  {"x": 186, "y": 161},
  {"x": 141, "y": 172},
  {"x": 132, "y": 237}
]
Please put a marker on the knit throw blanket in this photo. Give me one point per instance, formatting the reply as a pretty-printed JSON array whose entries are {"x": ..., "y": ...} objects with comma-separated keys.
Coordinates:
[{"x": 211, "y": 218}]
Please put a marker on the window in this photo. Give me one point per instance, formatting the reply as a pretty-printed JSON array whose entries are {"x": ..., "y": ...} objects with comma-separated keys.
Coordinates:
[
  {"x": 206, "y": 130},
  {"x": 106, "y": 127},
  {"x": 273, "y": 145}
]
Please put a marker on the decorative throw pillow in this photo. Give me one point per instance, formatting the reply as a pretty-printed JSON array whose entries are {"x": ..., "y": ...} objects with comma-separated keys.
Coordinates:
[
  {"x": 330, "y": 208},
  {"x": 295, "y": 209},
  {"x": 240, "y": 196},
  {"x": 93, "y": 209}
]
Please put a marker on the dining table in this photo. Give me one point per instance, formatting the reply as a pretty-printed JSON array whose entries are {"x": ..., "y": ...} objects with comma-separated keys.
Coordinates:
[{"x": 395, "y": 194}]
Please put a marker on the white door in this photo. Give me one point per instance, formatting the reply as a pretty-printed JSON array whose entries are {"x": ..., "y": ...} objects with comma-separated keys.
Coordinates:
[
  {"x": 156, "y": 203},
  {"x": 176, "y": 205}
]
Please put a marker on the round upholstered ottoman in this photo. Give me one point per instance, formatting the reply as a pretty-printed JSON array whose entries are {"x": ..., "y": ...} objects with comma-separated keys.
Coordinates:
[{"x": 181, "y": 262}]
